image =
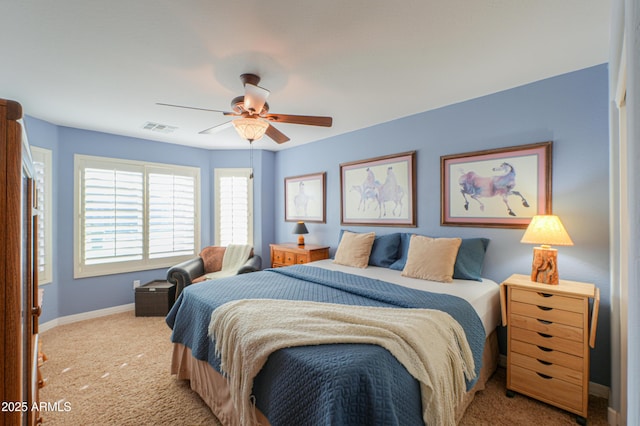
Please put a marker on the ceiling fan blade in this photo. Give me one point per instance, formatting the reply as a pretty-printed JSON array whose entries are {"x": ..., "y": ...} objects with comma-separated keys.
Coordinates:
[
  {"x": 300, "y": 119},
  {"x": 276, "y": 134},
  {"x": 188, "y": 107},
  {"x": 216, "y": 128}
]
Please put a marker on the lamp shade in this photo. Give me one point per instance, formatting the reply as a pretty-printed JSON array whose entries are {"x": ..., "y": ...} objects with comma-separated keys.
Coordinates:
[
  {"x": 546, "y": 230},
  {"x": 300, "y": 228},
  {"x": 251, "y": 129}
]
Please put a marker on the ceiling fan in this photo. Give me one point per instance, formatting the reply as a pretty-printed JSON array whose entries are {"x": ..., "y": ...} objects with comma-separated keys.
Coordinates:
[{"x": 253, "y": 119}]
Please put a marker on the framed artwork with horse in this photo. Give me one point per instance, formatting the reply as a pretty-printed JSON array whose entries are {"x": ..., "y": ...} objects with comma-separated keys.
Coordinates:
[
  {"x": 500, "y": 188},
  {"x": 379, "y": 191},
  {"x": 305, "y": 197}
]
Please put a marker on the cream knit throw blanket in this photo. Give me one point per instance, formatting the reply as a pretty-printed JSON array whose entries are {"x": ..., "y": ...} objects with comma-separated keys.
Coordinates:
[
  {"x": 235, "y": 255},
  {"x": 430, "y": 344}
]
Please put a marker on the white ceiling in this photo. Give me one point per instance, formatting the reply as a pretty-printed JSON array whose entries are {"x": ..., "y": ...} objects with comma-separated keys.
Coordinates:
[{"x": 102, "y": 65}]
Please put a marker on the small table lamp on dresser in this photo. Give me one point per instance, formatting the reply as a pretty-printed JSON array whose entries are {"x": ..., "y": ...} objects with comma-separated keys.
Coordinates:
[
  {"x": 546, "y": 230},
  {"x": 300, "y": 229}
]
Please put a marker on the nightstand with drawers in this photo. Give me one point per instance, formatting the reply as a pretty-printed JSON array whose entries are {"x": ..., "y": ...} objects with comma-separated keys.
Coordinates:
[
  {"x": 550, "y": 331},
  {"x": 288, "y": 254}
]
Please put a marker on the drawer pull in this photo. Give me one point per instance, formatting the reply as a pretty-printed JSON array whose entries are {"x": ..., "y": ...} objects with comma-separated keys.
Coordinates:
[
  {"x": 544, "y": 376},
  {"x": 546, "y": 336},
  {"x": 544, "y": 308},
  {"x": 542, "y": 348},
  {"x": 544, "y": 362},
  {"x": 545, "y": 321},
  {"x": 545, "y": 294}
]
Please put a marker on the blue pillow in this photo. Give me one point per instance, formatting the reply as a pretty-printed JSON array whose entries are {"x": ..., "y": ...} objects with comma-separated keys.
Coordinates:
[
  {"x": 405, "y": 239},
  {"x": 470, "y": 258},
  {"x": 384, "y": 250}
]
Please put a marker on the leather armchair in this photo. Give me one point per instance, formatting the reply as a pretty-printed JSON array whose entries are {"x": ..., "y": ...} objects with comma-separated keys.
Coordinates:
[{"x": 184, "y": 273}]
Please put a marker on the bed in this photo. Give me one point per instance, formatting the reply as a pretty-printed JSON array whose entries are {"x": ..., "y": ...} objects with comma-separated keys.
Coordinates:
[{"x": 342, "y": 383}]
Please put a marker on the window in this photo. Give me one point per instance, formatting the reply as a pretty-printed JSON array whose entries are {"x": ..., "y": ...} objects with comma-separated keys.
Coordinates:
[
  {"x": 233, "y": 206},
  {"x": 133, "y": 215},
  {"x": 43, "y": 171}
]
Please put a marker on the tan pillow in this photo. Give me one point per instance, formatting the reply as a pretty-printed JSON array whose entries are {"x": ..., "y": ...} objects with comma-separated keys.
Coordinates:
[
  {"x": 431, "y": 258},
  {"x": 354, "y": 249}
]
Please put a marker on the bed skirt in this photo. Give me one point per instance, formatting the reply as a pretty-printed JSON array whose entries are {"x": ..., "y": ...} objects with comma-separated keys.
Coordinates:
[{"x": 214, "y": 391}]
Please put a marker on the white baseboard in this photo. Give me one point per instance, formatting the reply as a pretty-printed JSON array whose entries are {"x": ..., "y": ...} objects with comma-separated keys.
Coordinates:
[
  {"x": 613, "y": 417},
  {"x": 85, "y": 316},
  {"x": 601, "y": 391},
  {"x": 595, "y": 389}
]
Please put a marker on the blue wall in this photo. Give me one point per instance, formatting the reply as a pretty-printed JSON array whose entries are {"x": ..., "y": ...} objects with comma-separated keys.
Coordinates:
[
  {"x": 68, "y": 296},
  {"x": 570, "y": 110}
]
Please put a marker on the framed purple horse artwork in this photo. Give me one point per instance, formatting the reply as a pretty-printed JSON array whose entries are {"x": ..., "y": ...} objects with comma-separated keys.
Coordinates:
[
  {"x": 379, "y": 191},
  {"x": 500, "y": 188}
]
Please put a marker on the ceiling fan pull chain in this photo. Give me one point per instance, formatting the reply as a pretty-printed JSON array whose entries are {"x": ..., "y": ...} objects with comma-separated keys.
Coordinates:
[{"x": 251, "y": 158}]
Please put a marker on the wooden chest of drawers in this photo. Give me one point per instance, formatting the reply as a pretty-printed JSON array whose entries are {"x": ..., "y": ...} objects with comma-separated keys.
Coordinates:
[
  {"x": 288, "y": 254},
  {"x": 548, "y": 339}
]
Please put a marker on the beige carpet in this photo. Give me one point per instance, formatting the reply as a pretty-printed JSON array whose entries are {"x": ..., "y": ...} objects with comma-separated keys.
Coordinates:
[{"x": 115, "y": 371}]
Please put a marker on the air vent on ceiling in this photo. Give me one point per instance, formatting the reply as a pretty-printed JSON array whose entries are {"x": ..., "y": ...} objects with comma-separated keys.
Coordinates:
[{"x": 157, "y": 127}]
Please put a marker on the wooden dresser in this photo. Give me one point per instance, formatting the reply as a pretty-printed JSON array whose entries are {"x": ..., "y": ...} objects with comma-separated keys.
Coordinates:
[
  {"x": 288, "y": 254},
  {"x": 550, "y": 330},
  {"x": 19, "y": 295}
]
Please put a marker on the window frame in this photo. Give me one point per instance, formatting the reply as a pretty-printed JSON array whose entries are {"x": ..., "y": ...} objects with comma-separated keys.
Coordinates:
[
  {"x": 82, "y": 270},
  {"x": 45, "y": 211},
  {"x": 233, "y": 172}
]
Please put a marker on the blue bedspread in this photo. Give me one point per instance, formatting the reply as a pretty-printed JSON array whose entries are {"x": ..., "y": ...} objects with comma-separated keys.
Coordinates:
[{"x": 346, "y": 384}]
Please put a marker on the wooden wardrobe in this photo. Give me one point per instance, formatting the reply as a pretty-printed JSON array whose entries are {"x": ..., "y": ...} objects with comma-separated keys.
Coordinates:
[{"x": 19, "y": 304}]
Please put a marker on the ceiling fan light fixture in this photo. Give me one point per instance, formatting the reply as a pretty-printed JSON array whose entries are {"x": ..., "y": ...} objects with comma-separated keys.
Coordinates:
[{"x": 252, "y": 129}]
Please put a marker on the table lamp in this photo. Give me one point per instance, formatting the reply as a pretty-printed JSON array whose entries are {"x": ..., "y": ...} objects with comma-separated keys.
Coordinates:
[
  {"x": 546, "y": 230},
  {"x": 300, "y": 229}
]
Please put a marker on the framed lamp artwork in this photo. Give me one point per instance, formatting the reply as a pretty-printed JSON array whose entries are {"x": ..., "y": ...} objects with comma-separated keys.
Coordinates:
[
  {"x": 305, "y": 198},
  {"x": 500, "y": 188},
  {"x": 379, "y": 191}
]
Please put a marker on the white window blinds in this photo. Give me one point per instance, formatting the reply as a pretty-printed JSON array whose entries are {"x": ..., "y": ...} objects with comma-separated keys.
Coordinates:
[
  {"x": 113, "y": 213},
  {"x": 171, "y": 215},
  {"x": 133, "y": 215},
  {"x": 234, "y": 206},
  {"x": 42, "y": 164}
]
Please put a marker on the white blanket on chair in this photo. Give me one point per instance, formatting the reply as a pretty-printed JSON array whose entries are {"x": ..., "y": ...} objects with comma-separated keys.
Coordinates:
[
  {"x": 430, "y": 344},
  {"x": 235, "y": 255}
]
